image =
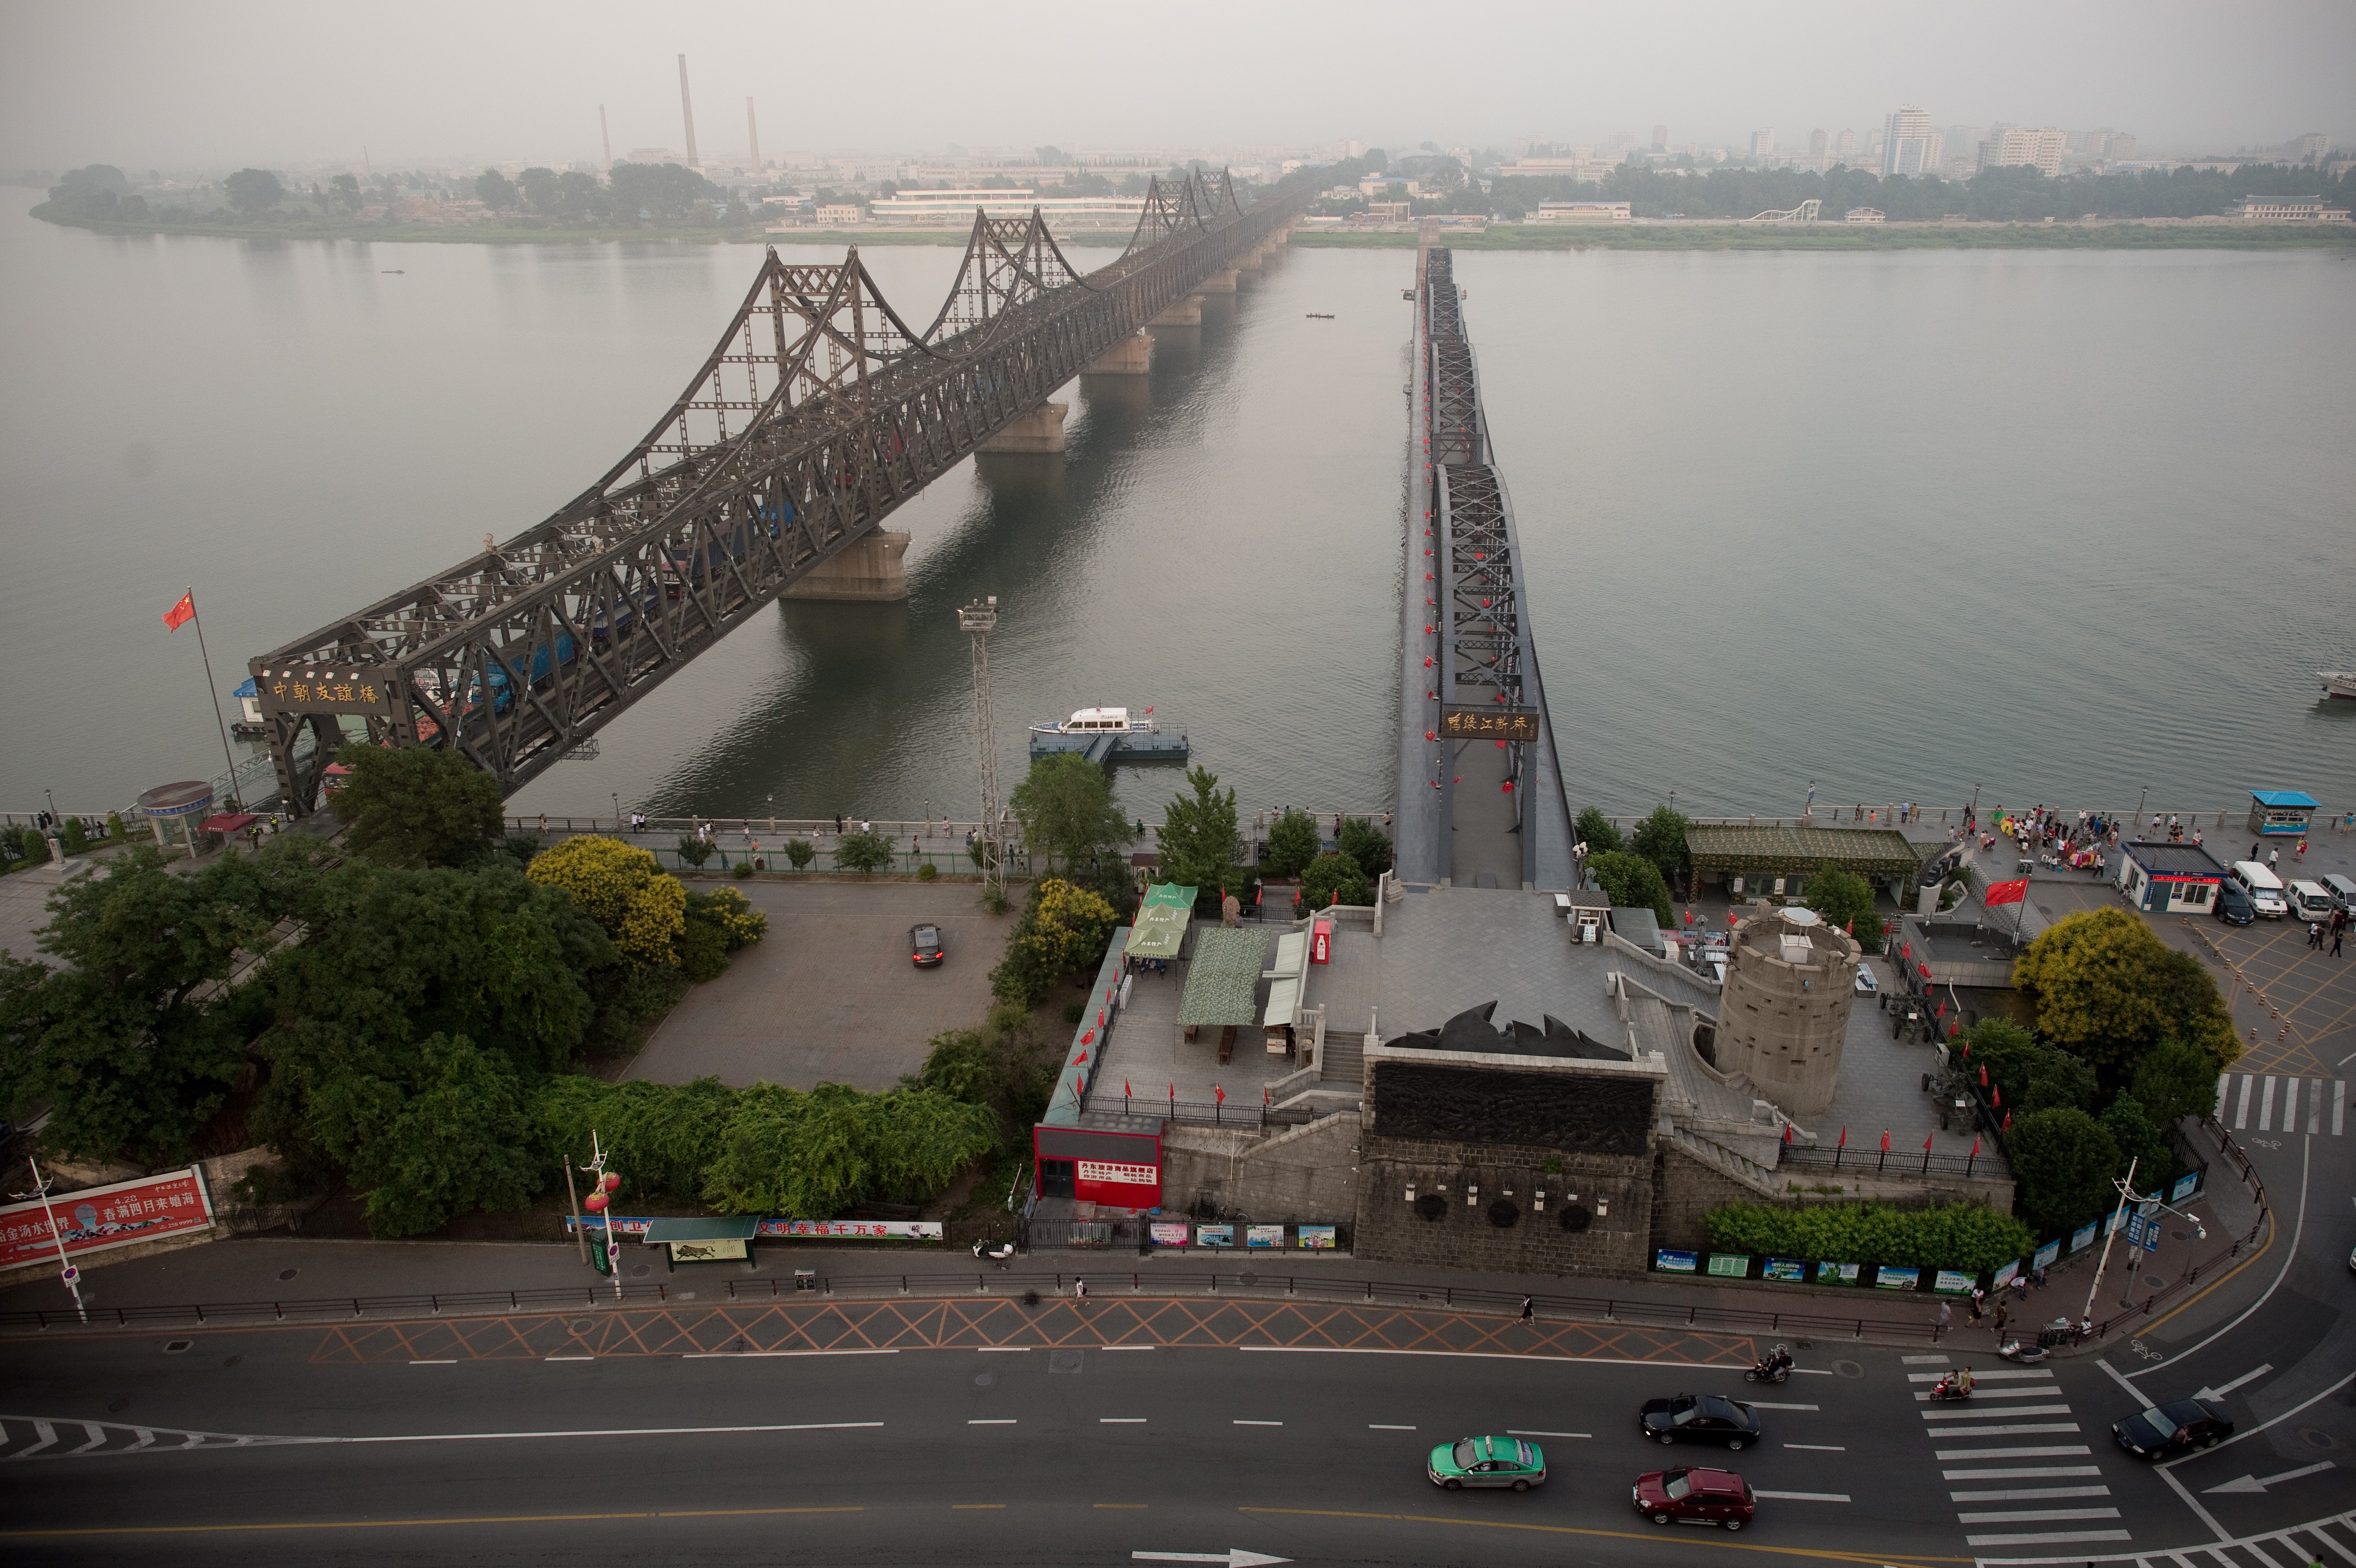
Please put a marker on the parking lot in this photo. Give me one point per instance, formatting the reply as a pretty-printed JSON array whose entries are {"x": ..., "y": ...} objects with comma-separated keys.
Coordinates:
[
  {"x": 2301, "y": 1002},
  {"x": 830, "y": 996}
]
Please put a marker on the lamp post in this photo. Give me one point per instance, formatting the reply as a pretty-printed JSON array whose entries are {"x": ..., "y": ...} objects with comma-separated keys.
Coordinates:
[
  {"x": 617, "y": 809},
  {"x": 601, "y": 1201},
  {"x": 2138, "y": 816},
  {"x": 70, "y": 1276}
]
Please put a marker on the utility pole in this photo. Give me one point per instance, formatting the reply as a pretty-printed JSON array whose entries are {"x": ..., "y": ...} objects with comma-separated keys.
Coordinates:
[
  {"x": 605, "y": 138},
  {"x": 752, "y": 137},
  {"x": 2126, "y": 1191},
  {"x": 978, "y": 620},
  {"x": 70, "y": 1276}
]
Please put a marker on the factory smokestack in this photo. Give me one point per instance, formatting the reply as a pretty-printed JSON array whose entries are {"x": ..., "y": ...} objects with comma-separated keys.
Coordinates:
[
  {"x": 687, "y": 113},
  {"x": 753, "y": 136}
]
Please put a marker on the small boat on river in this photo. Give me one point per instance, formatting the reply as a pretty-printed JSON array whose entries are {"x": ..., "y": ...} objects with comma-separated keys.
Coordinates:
[{"x": 2338, "y": 682}]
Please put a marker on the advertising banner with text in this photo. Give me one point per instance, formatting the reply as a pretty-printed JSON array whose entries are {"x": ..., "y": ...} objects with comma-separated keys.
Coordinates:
[{"x": 98, "y": 1219}]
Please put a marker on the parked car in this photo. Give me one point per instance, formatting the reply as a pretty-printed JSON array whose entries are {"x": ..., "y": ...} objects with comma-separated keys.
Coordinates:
[
  {"x": 1700, "y": 1418},
  {"x": 2178, "y": 1428},
  {"x": 2234, "y": 906},
  {"x": 924, "y": 945},
  {"x": 1486, "y": 1462},
  {"x": 1693, "y": 1496},
  {"x": 2309, "y": 900}
]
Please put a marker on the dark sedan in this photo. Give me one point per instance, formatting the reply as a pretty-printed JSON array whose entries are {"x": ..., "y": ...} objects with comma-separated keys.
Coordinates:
[
  {"x": 2178, "y": 1428},
  {"x": 2233, "y": 905},
  {"x": 1700, "y": 1418},
  {"x": 924, "y": 945}
]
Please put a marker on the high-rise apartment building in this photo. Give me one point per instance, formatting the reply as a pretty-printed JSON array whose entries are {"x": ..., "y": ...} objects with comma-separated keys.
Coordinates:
[
  {"x": 1845, "y": 144},
  {"x": 2313, "y": 147},
  {"x": 1909, "y": 147},
  {"x": 1763, "y": 143},
  {"x": 1660, "y": 138},
  {"x": 2121, "y": 147},
  {"x": 2040, "y": 147},
  {"x": 1816, "y": 143}
]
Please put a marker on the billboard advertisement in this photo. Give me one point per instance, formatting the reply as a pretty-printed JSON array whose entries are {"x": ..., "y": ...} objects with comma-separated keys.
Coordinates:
[
  {"x": 1171, "y": 1233},
  {"x": 633, "y": 1227},
  {"x": 1264, "y": 1236},
  {"x": 1215, "y": 1235},
  {"x": 1790, "y": 1270},
  {"x": 1671, "y": 1260},
  {"x": 1317, "y": 1238},
  {"x": 98, "y": 1219}
]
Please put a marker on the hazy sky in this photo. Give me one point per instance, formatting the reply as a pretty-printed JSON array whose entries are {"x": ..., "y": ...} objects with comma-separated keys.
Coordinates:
[{"x": 237, "y": 82}]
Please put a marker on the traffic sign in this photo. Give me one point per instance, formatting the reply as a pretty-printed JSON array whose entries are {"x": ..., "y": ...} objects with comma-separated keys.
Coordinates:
[{"x": 71, "y": 1274}]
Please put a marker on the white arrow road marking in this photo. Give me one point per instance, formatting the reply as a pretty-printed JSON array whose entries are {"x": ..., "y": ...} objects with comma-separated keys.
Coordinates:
[
  {"x": 2223, "y": 1389},
  {"x": 2260, "y": 1483},
  {"x": 1234, "y": 1557}
]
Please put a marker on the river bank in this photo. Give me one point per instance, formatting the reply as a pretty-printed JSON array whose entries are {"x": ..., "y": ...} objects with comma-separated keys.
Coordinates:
[
  {"x": 336, "y": 229},
  {"x": 2121, "y": 236}
]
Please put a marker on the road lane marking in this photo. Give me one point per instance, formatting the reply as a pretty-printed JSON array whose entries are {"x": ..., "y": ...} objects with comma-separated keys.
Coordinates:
[
  {"x": 450, "y": 1364},
  {"x": 1495, "y": 1356},
  {"x": 1818, "y": 1447},
  {"x": 1119, "y": 1505},
  {"x": 1923, "y": 1396},
  {"x": 1386, "y": 1426},
  {"x": 1763, "y": 1405},
  {"x": 2338, "y": 1103},
  {"x": 2274, "y": 1229},
  {"x": 2047, "y": 1538},
  {"x": 764, "y": 1355},
  {"x": 977, "y": 1505},
  {"x": 568, "y": 1358},
  {"x": 2022, "y": 1472},
  {"x": 2027, "y": 1494},
  {"x": 1121, "y": 1421},
  {"x": 1998, "y": 1413},
  {"x": 2050, "y": 1451},
  {"x": 281, "y": 1527},
  {"x": 1925, "y": 1361},
  {"x": 2025, "y": 1429},
  {"x": 2242, "y": 1106},
  {"x": 1805, "y": 1497},
  {"x": 1000, "y": 1350},
  {"x": 1995, "y": 1374},
  {"x": 599, "y": 1432},
  {"x": 1814, "y": 1554},
  {"x": 1519, "y": 1431},
  {"x": 2267, "y": 1106},
  {"x": 2036, "y": 1515},
  {"x": 993, "y": 1421},
  {"x": 1128, "y": 1348},
  {"x": 1259, "y": 1422}
]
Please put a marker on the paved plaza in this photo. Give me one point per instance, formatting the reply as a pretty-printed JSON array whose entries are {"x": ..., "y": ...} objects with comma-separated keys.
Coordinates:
[{"x": 829, "y": 995}]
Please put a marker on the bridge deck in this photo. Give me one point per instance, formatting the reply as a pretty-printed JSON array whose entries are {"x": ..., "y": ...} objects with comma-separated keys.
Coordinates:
[{"x": 1481, "y": 799}]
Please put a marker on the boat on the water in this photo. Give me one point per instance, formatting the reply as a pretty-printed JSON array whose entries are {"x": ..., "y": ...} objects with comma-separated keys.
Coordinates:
[
  {"x": 1110, "y": 735},
  {"x": 2338, "y": 682}
]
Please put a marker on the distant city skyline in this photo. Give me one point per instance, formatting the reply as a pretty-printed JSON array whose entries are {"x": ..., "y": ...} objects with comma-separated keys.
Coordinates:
[{"x": 269, "y": 83}]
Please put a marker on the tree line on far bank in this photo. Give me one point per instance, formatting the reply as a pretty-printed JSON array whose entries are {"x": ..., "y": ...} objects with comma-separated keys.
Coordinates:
[{"x": 631, "y": 195}]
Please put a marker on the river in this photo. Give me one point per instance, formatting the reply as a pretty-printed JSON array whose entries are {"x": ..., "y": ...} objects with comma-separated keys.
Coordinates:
[{"x": 2061, "y": 526}]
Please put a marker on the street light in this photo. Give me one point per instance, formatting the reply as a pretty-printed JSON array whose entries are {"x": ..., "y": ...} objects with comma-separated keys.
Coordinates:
[
  {"x": 66, "y": 1269},
  {"x": 2138, "y": 816},
  {"x": 617, "y": 809},
  {"x": 601, "y": 1201},
  {"x": 2126, "y": 1190}
]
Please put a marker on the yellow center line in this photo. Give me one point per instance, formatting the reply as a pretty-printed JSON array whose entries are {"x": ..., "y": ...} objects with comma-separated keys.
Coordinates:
[
  {"x": 1824, "y": 1556},
  {"x": 283, "y": 1525}
]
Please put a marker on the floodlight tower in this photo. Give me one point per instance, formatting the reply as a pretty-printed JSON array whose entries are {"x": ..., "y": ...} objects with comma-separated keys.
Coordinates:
[{"x": 978, "y": 620}]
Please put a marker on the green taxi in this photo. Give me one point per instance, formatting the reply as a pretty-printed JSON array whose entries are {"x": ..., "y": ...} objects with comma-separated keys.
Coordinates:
[{"x": 1487, "y": 1462}]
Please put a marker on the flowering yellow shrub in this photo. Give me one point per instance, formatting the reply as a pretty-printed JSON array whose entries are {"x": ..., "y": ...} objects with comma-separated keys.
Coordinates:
[
  {"x": 621, "y": 888},
  {"x": 738, "y": 921},
  {"x": 653, "y": 923}
]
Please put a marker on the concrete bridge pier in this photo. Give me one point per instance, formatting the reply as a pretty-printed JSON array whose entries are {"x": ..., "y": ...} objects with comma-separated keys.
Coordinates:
[
  {"x": 867, "y": 571},
  {"x": 1132, "y": 356},
  {"x": 1187, "y": 312},
  {"x": 1220, "y": 282},
  {"x": 1040, "y": 432}
]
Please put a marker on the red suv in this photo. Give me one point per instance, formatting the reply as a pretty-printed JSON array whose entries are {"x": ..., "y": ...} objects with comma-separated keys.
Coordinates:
[{"x": 1693, "y": 1497}]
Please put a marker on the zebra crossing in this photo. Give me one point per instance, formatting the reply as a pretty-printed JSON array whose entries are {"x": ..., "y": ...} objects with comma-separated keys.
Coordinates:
[
  {"x": 2277, "y": 1101},
  {"x": 2329, "y": 1540},
  {"x": 2015, "y": 1460},
  {"x": 44, "y": 1437}
]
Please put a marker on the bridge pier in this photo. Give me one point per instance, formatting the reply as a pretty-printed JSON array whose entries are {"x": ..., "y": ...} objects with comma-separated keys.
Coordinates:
[
  {"x": 1040, "y": 431},
  {"x": 1132, "y": 356},
  {"x": 1187, "y": 312},
  {"x": 1219, "y": 282},
  {"x": 866, "y": 571}
]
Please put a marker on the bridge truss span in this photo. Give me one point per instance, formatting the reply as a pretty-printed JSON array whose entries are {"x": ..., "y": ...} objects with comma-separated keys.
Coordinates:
[{"x": 820, "y": 409}]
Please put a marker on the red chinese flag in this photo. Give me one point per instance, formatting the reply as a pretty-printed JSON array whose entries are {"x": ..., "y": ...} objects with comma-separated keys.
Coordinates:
[
  {"x": 181, "y": 613},
  {"x": 1885, "y": 1140},
  {"x": 1124, "y": 1088},
  {"x": 1787, "y": 1132},
  {"x": 1976, "y": 1146},
  {"x": 1221, "y": 1094},
  {"x": 2007, "y": 1122},
  {"x": 2010, "y": 892},
  {"x": 1926, "y": 1141},
  {"x": 1984, "y": 1083},
  {"x": 1844, "y": 1137},
  {"x": 1996, "y": 1094}
]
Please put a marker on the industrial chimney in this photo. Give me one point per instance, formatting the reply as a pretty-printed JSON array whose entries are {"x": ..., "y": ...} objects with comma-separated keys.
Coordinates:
[{"x": 753, "y": 136}]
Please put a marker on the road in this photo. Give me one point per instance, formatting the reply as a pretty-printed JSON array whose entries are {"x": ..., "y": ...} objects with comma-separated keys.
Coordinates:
[{"x": 1074, "y": 1456}]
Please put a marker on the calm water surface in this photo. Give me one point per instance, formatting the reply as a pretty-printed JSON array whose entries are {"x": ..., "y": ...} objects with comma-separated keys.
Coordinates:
[{"x": 2062, "y": 525}]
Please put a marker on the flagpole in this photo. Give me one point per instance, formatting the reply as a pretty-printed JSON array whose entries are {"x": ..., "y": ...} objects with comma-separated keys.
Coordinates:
[{"x": 213, "y": 686}]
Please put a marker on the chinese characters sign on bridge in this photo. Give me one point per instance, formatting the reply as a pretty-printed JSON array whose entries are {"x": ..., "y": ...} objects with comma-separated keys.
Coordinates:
[
  {"x": 1495, "y": 723},
  {"x": 100, "y": 1218},
  {"x": 333, "y": 690}
]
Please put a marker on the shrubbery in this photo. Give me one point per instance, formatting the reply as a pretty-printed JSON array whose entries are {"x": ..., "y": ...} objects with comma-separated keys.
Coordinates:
[
  {"x": 1962, "y": 1237},
  {"x": 1061, "y": 928}
]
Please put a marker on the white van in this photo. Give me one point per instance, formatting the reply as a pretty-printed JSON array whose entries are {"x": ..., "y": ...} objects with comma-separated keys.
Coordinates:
[
  {"x": 2266, "y": 889},
  {"x": 2342, "y": 890},
  {"x": 2309, "y": 900}
]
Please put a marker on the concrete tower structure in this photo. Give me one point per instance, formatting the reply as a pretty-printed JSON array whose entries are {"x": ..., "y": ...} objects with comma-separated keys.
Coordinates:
[
  {"x": 1785, "y": 1015},
  {"x": 687, "y": 113},
  {"x": 753, "y": 136}
]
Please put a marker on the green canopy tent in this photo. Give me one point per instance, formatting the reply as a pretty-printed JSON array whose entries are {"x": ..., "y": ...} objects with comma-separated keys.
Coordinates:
[
  {"x": 1161, "y": 922},
  {"x": 1223, "y": 977}
]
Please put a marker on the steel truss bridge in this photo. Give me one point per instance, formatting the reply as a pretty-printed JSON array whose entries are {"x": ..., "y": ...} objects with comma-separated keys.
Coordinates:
[
  {"x": 819, "y": 411},
  {"x": 1480, "y": 794}
]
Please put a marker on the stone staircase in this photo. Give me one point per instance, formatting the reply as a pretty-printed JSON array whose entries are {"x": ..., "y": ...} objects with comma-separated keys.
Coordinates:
[
  {"x": 1734, "y": 1167},
  {"x": 1343, "y": 1059}
]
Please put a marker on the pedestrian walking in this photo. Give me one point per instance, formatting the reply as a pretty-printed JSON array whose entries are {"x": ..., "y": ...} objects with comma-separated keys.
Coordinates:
[
  {"x": 1529, "y": 1308},
  {"x": 2314, "y": 934},
  {"x": 1978, "y": 1296},
  {"x": 2302, "y": 847},
  {"x": 1079, "y": 1290},
  {"x": 1940, "y": 1325},
  {"x": 2274, "y": 860},
  {"x": 2001, "y": 1317},
  {"x": 2337, "y": 933},
  {"x": 544, "y": 825},
  {"x": 838, "y": 826}
]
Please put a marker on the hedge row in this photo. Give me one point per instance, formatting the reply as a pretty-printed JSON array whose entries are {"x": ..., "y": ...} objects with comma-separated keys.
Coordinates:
[{"x": 1962, "y": 1237}]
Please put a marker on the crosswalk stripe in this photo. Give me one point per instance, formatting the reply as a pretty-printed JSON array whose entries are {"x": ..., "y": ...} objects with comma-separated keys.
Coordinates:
[
  {"x": 2027, "y": 1494},
  {"x": 2224, "y": 1085},
  {"x": 2047, "y": 1538},
  {"x": 2035, "y": 1515},
  {"x": 2316, "y": 1532},
  {"x": 2020, "y": 1472},
  {"x": 1922, "y": 1395},
  {"x": 2023, "y": 1429},
  {"x": 2263, "y": 1087},
  {"x": 1997, "y": 1415},
  {"x": 2045, "y": 1451},
  {"x": 2001, "y": 1374},
  {"x": 2267, "y": 1106},
  {"x": 2315, "y": 1104},
  {"x": 2242, "y": 1106}
]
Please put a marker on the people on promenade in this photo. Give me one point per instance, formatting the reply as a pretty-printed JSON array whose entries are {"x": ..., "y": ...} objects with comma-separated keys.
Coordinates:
[{"x": 1938, "y": 1325}]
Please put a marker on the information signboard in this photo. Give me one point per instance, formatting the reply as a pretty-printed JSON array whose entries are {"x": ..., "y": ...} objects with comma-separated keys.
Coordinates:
[
  {"x": 1669, "y": 1259},
  {"x": 1317, "y": 1238},
  {"x": 1955, "y": 1282},
  {"x": 99, "y": 1219},
  {"x": 2185, "y": 1185},
  {"x": 1790, "y": 1269},
  {"x": 1264, "y": 1236},
  {"x": 1171, "y": 1233},
  {"x": 1215, "y": 1235},
  {"x": 1886, "y": 1277},
  {"x": 1734, "y": 1265}
]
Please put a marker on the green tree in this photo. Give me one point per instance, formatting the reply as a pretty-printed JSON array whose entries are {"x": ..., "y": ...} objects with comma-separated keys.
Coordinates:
[
  {"x": 2028, "y": 1074},
  {"x": 2107, "y": 990},
  {"x": 1330, "y": 876},
  {"x": 128, "y": 1042},
  {"x": 1293, "y": 843},
  {"x": 694, "y": 849},
  {"x": 2063, "y": 1161},
  {"x": 344, "y": 191},
  {"x": 864, "y": 853},
  {"x": 1631, "y": 882},
  {"x": 800, "y": 852},
  {"x": 253, "y": 192},
  {"x": 417, "y": 806},
  {"x": 1198, "y": 838},
  {"x": 1068, "y": 816},
  {"x": 1843, "y": 898},
  {"x": 2173, "y": 1080},
  {"x": 495, "y": 190},
  {"x": 1595, "y": 830},
  {"x": 1661, "y": 839},
  {"x": 460, "y": 1141},
  {"x": 2140, "y": 1143},
  {"x": 1367, "y": 844},
  {"x": 537, "y": 188},
  {"x": 664, "y": 193}
]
